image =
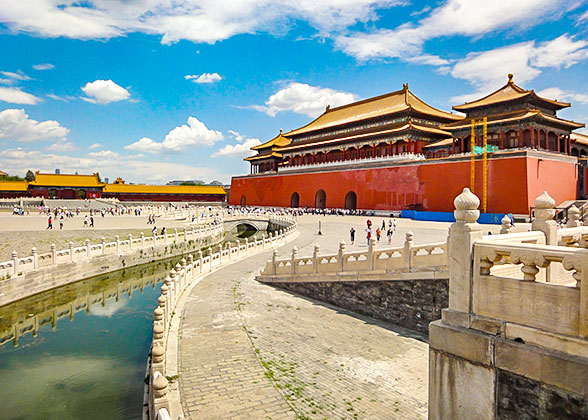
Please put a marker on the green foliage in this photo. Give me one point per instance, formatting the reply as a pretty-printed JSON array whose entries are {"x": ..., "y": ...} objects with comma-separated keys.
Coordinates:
[
  {"x": 11, "y": 178},
  {"x": 30, "y": 176}
]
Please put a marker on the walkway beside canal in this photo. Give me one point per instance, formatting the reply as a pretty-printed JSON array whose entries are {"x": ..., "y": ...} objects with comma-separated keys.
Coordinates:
[{"x": 249, "y": 351}]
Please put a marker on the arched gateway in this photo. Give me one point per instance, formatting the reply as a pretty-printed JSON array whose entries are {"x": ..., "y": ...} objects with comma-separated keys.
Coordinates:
[
  {"x": 295, "y": 200},
  {"x": 320, "y": 199},
  {"x": 351, "y": 201}
]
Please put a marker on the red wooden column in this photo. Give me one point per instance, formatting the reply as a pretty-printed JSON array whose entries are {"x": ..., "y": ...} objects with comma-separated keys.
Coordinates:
[
  {"x": 391, "y": 146},
  {"x": 520, "y": 137},
  {"x": 374, "y": 150},
  {"x": 558, "y": 145},
  {"x": 453, "y": 146},
  {"x": 532, "y": 130},
  {"x": 502, "y": 139}
]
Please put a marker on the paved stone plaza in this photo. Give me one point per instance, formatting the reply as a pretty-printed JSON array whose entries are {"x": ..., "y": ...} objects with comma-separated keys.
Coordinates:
[{"x": 249, "y": 351}]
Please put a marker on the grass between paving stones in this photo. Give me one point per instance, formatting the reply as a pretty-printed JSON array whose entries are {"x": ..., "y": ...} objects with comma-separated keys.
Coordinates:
[{"x": 281, "y": 372}]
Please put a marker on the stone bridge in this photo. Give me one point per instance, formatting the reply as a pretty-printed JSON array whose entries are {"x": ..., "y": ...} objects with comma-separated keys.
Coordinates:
[{"x": 257, "y": 224}]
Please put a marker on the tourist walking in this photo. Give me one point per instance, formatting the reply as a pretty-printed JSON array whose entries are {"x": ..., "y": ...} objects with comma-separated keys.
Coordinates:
[
  {"x": 50, "y": 223},
  {"x": 61, "y": 222},
  {"x": 91, "y": 221},
  {"x": 389, "y": 233},
  {"x": 352, "y": 235},
  {"x": 394, "y": 225},
  {"x": 383, "y": 224},
  {"x": 86, "y": 220},
  {"x": 163, "y": 231},
  {"x": 378, "y": 234},
  {"x": 154, "y": 231},
  {"x": 369, "y": 236}
]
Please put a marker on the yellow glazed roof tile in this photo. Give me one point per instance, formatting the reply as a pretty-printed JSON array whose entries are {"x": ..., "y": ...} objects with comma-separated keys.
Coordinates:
[
  {"x": 508, "y": 92},
  {"x": 66, "y": 180},
  {"x": 13, "y": 185},
  {"x": 390, "y": 103},
  {"x": 277, "y": 141},
  {"x": 163, "y": 189}
]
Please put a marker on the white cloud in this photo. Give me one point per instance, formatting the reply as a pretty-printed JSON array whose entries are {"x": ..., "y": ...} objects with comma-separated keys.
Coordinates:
[
  {"x": 94, "y": 146},
  {"x": 561, "y": 95},
  {"x": 204, "y": 78},
  {"x": 304, "y": 99},
  {"x": 66, "y": 98},
  {"x": 107, "y": 154},
  {"x": 16, "y": 125},
  {"x": 14, "y": 95},
  {"x": 454, "y": 17},
  {"x": 16, "y": 76},
  {"x": 195, "y": 133},
  {"x": 44, "y": 66},
  {"x": 238, "y": 136},
  {"x": 241, "y": 149},
  {"x": 62, "y": 146},
  {"x": 194, "y": 20},
  {"x": 583, "y": 17},
  {"x": 104, "y": 92},
  {"x": 487, "y": 70}
]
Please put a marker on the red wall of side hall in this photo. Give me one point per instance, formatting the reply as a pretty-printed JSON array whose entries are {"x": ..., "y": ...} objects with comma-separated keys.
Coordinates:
[{"x": 513, "y": 184}]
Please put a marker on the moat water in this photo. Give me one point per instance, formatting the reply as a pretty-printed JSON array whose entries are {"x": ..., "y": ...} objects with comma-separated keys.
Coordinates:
[{"x": 83, "y": 348}]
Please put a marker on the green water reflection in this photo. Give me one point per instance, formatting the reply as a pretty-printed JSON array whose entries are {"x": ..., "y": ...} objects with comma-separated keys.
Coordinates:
[{"x": 92, "y": 364}]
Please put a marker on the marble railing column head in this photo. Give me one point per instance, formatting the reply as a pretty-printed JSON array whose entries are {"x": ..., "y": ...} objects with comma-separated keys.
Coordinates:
[
  {"x": 544, "y": 214},
  {"x": 505, "y": 225},
  {"x": 160, "y": 386},
  {"x": 573, "y": 217},
  {"x": 460, "y": 245}
]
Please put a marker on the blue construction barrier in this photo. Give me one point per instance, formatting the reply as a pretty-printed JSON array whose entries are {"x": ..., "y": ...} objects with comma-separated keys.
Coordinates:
[{"x": 441, "y": 216}]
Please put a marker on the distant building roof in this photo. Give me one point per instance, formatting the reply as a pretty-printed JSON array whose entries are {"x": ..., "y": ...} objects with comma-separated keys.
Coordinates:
[
  {"x": 512, "y": 116},
  {"x": 13, "y": 185},
  {"x": 579, "y": 138},
  {"x": 506, "y": 93},
  {"x": 163, "y": 189},
  {"x": 66, "y": 180},
  {"x": 264, "y": 156},
  {"x": 391, "y": 103},
  {"x": 442, "y": 143},
  {"x": 2, "y": 173},
  {"x": 277, "y": 141}
]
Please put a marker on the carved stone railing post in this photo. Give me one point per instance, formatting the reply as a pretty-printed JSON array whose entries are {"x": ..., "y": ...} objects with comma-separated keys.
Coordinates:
[
  {"x": 71, "y": 251},
  {"x": 263, "y": 241},
  {"x": 246, "y": 246},
  {"x": 199, "y": 254},
  {"x": 176, "y": 234},
  {"x": 117, "y": 239},
  {"x": 130, "y": 236},
  {"x": 160, "y": 386},
  {"x": 185, "y": 234},
  {"x": 161, "y": 302},
  {"x": 544, "y": 214},
  {"x": 103, "y": 243},
  {"x": 54, "y": 254},
  {"x": 142, "y": 240},
  {"x": 407, "y": 252},
  {"x": 274, "y": 261},
  {"x": 341, "y": 257},
  {"x": 370, "y": 255},
  {"x": 238, "y": 243},
  {"x": 315, "y": 258},
  {"x": 87, "y": 245},
  {"x": 573, "y": 217},
  {"x": 293, "y": 261},
  {"x": 158, "y": 359},
  {"x": 209, "y": 258},
  {"x": 505, "y": 225},
  {"x": 35, "y": 257},
  {"x": 14, "y": 256},
  {"x": 462, "y": 235},
  {"x": 169, "y": 282},
  {"x": 220, "y": 254}
]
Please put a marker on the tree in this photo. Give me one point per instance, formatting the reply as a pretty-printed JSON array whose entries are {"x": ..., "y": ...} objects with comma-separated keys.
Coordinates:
[
  {"x": 98, "y": 176},
  {"x": 30, "y": 176}
]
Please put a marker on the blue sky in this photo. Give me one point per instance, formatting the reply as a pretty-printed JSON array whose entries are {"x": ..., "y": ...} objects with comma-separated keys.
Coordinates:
[{"x": 155, "y": 90}]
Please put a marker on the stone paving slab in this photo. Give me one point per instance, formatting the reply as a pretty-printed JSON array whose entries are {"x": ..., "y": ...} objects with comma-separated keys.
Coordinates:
[{"x": 251, "y": 351}]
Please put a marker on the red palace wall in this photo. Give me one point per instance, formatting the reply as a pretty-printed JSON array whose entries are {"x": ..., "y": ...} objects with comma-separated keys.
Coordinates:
[{"x": 513, "y": 185}]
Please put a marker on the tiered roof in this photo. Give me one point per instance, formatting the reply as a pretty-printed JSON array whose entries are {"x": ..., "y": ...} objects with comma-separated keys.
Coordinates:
[
  {"x": 513, "y": 116},
  {"x": 277, "y": 141},
  {"x": 13, "y": 185},
  {"x": 163, "y": 189},
  {"x": 390, "y": 103},
  {"x": 66, "y": 180},
  {"x": 507, "y": 93}
]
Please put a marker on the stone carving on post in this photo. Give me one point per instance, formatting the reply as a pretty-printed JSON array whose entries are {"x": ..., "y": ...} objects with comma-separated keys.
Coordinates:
[
  {"x": 130, "y": 236},
  {"x": 54, "y": 253},
  {"x": 117, "y": 238},
  {"x": 505, "y": 225},
  {"x": 142, "y": 240},
  {"x": 199, "y": 254},
  {"x": 103, "y": 243},
  {"x": 157, "y": 359},
  {"x": 14, "y": 256},
  {"x": 341, "y": 257},
  {"x": 573, "y": 217},
  {"x": 274, "y": 261},
  {"x": 160, "y": 385},
  {"x": 544, "y": 214},
  {"x": 35, "y": 257},
  {"x": 407, "y": 252},
  {"x": 71, "y": 251},
  {"x": 293, "y": 259},
  {"x": 462, "y": 235},
  {"x": 531, "y": 261},
  {"x": 315, "y": 257}
]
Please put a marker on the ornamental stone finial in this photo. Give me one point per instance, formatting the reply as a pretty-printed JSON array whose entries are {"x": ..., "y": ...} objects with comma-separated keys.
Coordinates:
[
  {"x": 506, "y": 222},
  {"x": 466, "y": 207},
  {"x": 160, "y": 386},
  {"x": 573, "y": 217},
  {"x": 544, "y": 201},
  {"x": 544, "y": 207}
]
